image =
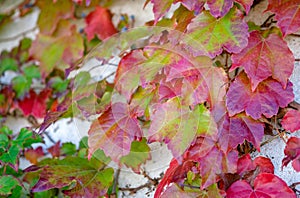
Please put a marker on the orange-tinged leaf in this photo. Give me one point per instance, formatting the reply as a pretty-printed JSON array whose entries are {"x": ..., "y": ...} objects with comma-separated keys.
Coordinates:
[
  {"x": 265, "y": 57},
  {"x": 99, "y": 23},
  {"x": 52, "y": 13},
  {"x": 34, "y": 154}
]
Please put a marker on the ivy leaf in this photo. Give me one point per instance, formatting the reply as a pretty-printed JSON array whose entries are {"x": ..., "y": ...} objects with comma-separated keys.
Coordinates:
[
  {"x": 287, "y": 15},
  {"x": 219, "y": 8},
  {"x": 265, "y": 185},
  {"x": 26, "y": 138},
  {"x": 246, "y": 4},
  {"x": 291, "y": 121},
  {"x": 265, "y": 57},
  {"x": 292, "y": 153},
  {"x": 51, "y": 13},
  {"x": 7, "y": 184},
  {"x": 208, "y": 36},
  {"x": 265, "y": 100},
  {"x": 139, "y": 154},
  {"x": 193, "y": 5},
  {"x": 34, "y": 154},
  {"x": 32, "y": 71},
  {"x": 68, "y": 148},
  {"x": 235, "y": 130},
  {"x": 160, "y": 8},
  {"x": 212, "y": 160},
  {"x": 127, "y": 78},
  {"x": 167, "y": 179},
  {"x": 55, "y": 150},
  {"x": 34, "y": 104},
  {"x": 114, "y": 131},
  {"x": 205, "y": 84},
  {"x": 65, "y": 47},
  {"x": 215, "y": 163},
  {"x": 175, "y": 173},
  {"x": 8, "y": 64},
  {"x": 11, "y": 155},
  {"x": 178, "y": 126},
  {"x": 99, "y": 23},
  {"x": 91, "y": 179},
  {"x": 21, "y": 85}
]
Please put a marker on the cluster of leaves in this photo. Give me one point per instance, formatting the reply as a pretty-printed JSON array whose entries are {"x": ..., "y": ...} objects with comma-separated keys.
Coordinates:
[
  {"x": 206, "y": 82},
  {"x": 44, "y": 178}
]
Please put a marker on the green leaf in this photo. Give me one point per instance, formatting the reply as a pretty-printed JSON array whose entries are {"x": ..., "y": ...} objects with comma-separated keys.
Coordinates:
[
  {"x": 83, "y": 142},
  {"x": 4, "y": 141},
  {"x": 91, "y": 179},
  {"x": 58, "y": 84},
  {"x": 11, "y": 155},
  {"x": 8, "y": 64},
  {"x": 139, "y": 154},
  {"x": 6, "y": 130},
  {"x": 178, "y": 126},
  {"x": 68, "y": 148},
  {"x": 208, "y": 36},
  {"x": 26, "y": 138},
  {"x": 65, "y": 47},
  {"x": 21, "y": 85},
  {"x": 25, "y": 43},
  {"x": 32, "y": 71},
  {"x": 7, "y": 184}
]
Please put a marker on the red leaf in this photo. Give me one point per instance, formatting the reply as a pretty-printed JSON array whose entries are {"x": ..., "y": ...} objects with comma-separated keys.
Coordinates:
[
  {"x": 265, "y": 57},
  {"x": 245, "y": 164},
  {"x": 127, "y": 77},
  {"x": 99, "y": 23},
  {"x": 265, "y": 185},
  {"x": 235, "y": 130},
  {"x": 55, "y": 150},
  {"x": 265, "y": 100},
  {"x": 265, "y": 165},
  {"x": 176, "y": 173},
  {"x": 291, "y": 120},
  {"x": 292, "y": 153},
  {"x": 212, "y": 160},
  {"x": 167, "y": 179},
  {"x": 34, "y": 104},
  {"x": 215, "y": 163},
  {"x": 114, "y": 131},
  {"x": 287, "y": 14},
  {"x": 34, "y": 154}
]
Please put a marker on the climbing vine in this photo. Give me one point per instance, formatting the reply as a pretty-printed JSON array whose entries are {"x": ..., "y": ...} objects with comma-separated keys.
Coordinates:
[{"x": 201, "y": 78}]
